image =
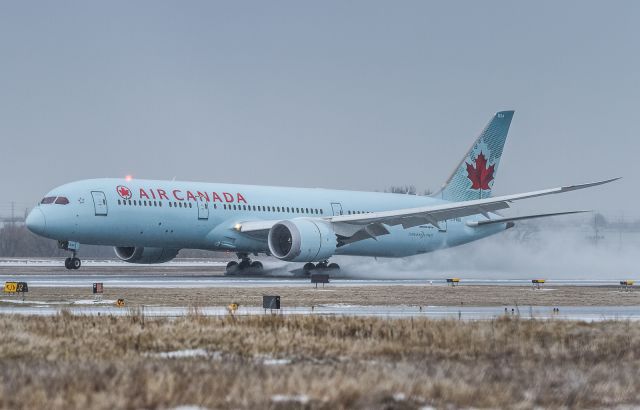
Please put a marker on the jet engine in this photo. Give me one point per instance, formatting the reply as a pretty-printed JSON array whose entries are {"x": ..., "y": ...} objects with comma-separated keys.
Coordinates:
[
  {"x": 302, "y": 240},
  {"x": 145, "y": 255}
]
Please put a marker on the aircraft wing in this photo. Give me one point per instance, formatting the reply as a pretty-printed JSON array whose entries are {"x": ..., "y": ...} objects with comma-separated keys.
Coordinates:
[
  {"x": 519, "y": 218},
  {"x": 352, "y": 228}
]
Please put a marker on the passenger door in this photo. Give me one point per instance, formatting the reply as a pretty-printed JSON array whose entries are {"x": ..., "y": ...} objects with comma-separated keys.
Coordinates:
[
  {"x": 336, "y": 207},
  {"x": 203, "y": 209},
  {"x": 99, "y": 203}
]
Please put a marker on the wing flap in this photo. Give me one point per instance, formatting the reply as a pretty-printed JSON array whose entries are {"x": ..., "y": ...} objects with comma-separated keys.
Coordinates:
[{"x": 520, "y": 218}]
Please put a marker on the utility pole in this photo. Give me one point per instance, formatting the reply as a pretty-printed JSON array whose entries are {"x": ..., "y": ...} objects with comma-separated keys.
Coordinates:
[{"x": 13, "y": 214}]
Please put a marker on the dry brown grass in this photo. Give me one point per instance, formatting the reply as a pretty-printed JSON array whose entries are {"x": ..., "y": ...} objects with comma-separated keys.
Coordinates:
[{"x": 68, "y": 361}]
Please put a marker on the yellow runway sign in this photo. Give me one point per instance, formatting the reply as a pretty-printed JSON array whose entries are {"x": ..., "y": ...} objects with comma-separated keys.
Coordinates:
[{"x": 10, "y": 287}]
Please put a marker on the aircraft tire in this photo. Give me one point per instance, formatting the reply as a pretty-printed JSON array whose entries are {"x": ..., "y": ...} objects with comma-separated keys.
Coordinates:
[
  {"x": 244, "y": 264},
  {"x": 232, "y": 268},
  {"x": 333, "y": 266},
  {"x": 308, "y": 267},
  {"x": 256, "y": 266},
  {"x": 75, "y": 263},
  {"x": 67, "y": 263}
]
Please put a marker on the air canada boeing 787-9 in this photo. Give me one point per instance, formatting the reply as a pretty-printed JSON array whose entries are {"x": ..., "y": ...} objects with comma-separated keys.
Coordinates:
[{"x": 149, "y": 221}]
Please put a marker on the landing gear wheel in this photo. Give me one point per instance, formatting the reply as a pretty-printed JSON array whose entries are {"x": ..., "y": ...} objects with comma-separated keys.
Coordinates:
[
  {"x": 308, "y": 267},
  {"x": 75, "y": 263},
  {"x": 67, "y": 263},
  {"x": 232, "y": 268},
  {"x": 333, "y": 266},
  {"x": 256, "y": 266},
  {"x": 244, "y": 264}
]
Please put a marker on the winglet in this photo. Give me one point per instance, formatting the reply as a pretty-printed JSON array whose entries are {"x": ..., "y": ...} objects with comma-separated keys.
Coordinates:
[{"x": 587, "y": 185}]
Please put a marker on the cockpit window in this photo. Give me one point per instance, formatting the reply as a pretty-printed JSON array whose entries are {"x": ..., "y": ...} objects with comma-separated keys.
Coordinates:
[
  {"x": 62, "y": 200},
  {"x": 48, "y": 200}
]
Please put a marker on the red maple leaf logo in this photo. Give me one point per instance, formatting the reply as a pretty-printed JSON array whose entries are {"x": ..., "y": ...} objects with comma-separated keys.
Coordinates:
[
  {"x": 124, "y": 192},
  {"x": 480, "y": 175}
]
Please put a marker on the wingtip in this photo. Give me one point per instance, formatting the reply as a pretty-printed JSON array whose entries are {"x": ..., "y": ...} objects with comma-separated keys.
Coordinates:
[{"x": 606, "y": 181}]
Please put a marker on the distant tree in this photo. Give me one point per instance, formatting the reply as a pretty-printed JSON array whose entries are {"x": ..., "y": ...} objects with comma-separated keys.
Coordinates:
[
  {"x": 406, "y": 190},
  {"x": 400, "y": 189},
  {"x": 16, "y": 241}
]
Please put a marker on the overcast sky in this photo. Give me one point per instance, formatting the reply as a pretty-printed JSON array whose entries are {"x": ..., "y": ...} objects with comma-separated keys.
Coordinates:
[{"x": 346, "y": 94}]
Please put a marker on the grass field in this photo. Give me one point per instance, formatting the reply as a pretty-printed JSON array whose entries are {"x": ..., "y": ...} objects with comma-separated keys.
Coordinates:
[{"x": 66, "y": 362}]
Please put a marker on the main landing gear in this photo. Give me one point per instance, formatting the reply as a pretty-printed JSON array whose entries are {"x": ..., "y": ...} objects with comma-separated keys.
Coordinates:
[
  {"x": 323, "y": 266},
  {"x": 245, "y": 266},
  {"x": 73, "y": 262}
]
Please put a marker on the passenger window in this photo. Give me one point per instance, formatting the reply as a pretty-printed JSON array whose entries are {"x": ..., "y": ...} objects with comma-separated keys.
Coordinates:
[
  {"x": 160, "y": 204},
  {"x": 190, "y": 205},
  {"x": 118, "y": 202},
  {"x": 170, "y": 206},
  {"x": 134, "y": 202},
  {"x": 129, "y": 202},
  {"x": 321, "y": 211}
]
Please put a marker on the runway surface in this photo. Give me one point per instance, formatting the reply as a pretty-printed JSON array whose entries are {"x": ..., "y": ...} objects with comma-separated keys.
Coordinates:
[
  {"x": 202, "y": 282},
  {"x": 202, "y": 273}
]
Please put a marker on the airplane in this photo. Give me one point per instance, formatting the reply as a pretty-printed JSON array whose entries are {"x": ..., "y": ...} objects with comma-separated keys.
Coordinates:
[{"x": 149, "y": 221}]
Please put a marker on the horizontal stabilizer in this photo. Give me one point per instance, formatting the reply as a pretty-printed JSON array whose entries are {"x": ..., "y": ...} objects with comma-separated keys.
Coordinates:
[{"x": 519, "y": 218}]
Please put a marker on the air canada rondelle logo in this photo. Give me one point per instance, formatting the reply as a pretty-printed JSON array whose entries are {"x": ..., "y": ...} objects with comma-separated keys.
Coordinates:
[{"x": 123, "y": 191}]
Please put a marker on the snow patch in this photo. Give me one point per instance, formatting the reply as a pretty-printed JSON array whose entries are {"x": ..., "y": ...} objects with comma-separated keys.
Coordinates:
[
  {"x": 276, "y": 362},
  {"x": 31, "y": 302},
  {"x": 284, "y": 398},
  {"x": 184, "y": 353},
  {"x": 399, "y": 397},
  {"x": 93, "y": 302}
]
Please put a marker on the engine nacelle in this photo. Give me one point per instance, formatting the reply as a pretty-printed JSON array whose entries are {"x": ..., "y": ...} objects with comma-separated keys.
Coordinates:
[
  {"x": 302, "y": 240},
  {"x": 145, "y": 255}
]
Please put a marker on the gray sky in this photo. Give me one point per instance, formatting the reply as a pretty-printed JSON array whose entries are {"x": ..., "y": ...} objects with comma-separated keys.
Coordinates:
[{"x": 350, "y": 95}]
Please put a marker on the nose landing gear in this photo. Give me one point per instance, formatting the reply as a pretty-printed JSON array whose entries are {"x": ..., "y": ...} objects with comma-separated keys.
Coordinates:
[
  {"x": 245, "y": 266},
  {"x": 73, "y": 262}
]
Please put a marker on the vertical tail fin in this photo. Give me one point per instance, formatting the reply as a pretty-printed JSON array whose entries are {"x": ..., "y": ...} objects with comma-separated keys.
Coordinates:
[{"x": 473, "y": 178}]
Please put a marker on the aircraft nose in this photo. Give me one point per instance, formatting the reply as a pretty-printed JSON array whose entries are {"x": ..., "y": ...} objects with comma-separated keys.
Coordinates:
[{"x": 36, "y": 222}]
